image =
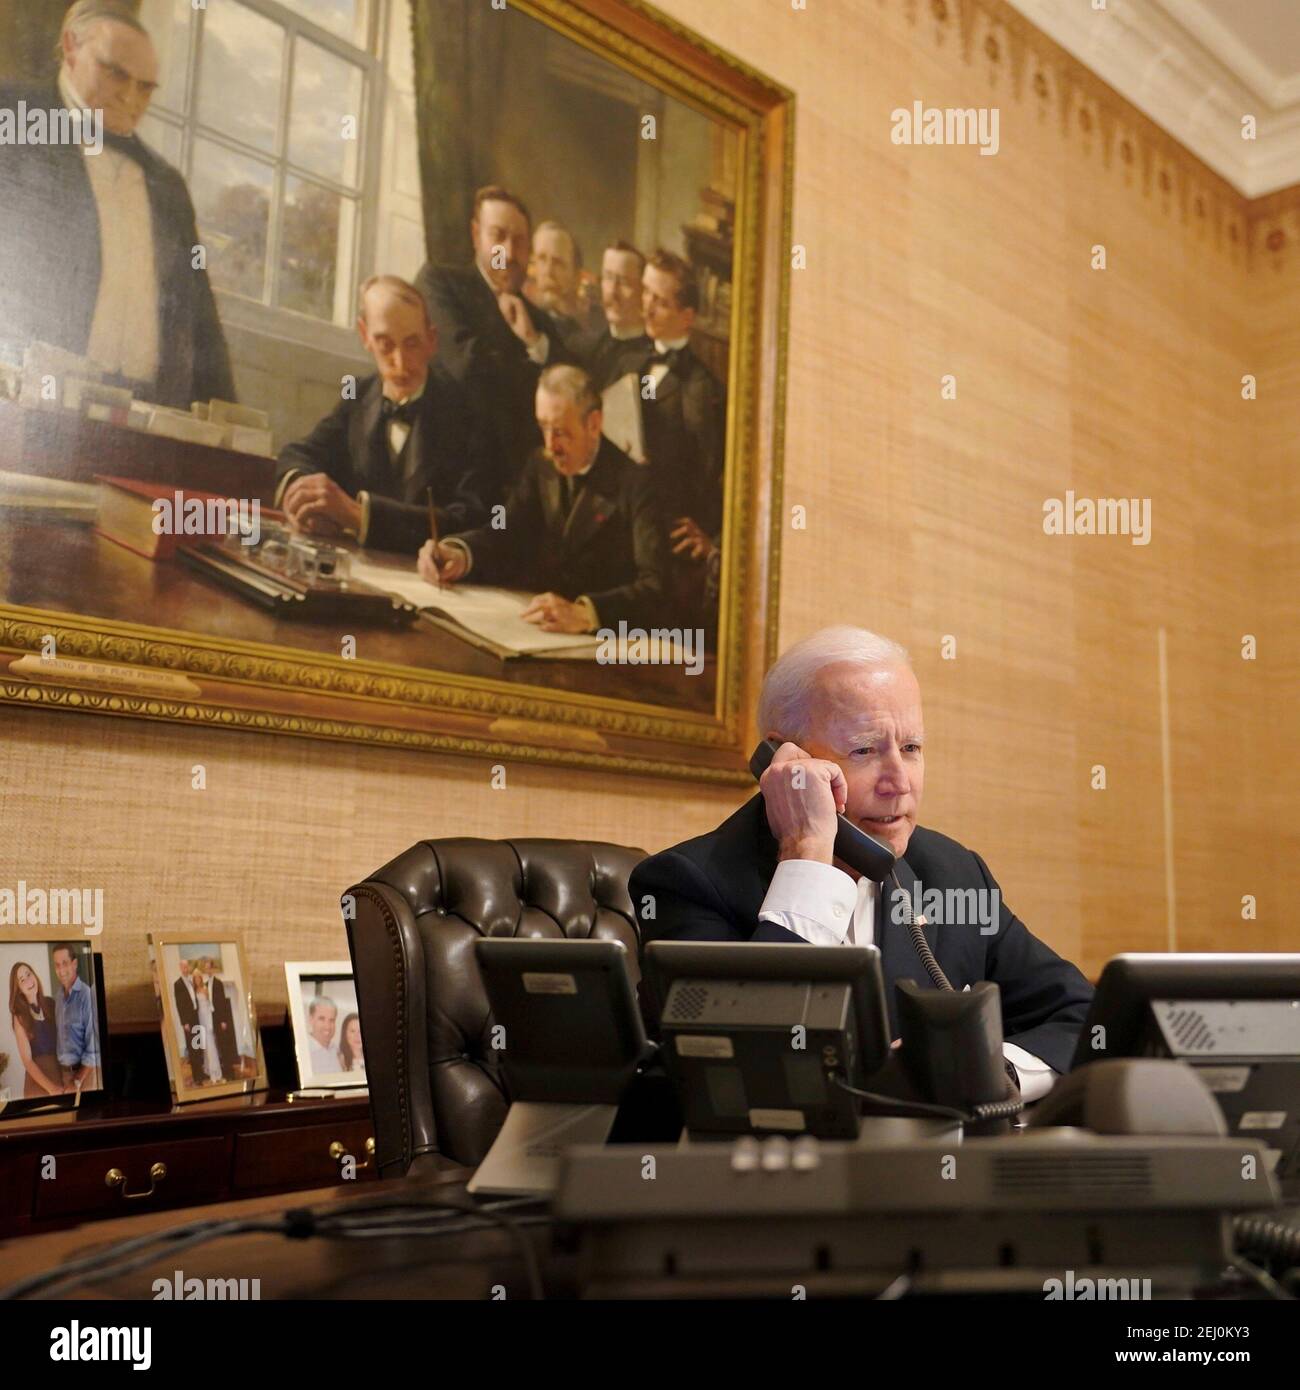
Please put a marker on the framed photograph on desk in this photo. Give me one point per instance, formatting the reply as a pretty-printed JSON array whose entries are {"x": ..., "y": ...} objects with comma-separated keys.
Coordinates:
[
  {"x": 209, "y": 1022},
  {"x": 642, "y": 181},
  {"x": 326, "y": 1024},
  {"x": 52, "y": 1029}
]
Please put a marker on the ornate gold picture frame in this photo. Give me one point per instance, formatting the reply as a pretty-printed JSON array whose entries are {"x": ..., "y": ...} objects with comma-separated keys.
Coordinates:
[{"x": 100, "y": 629}]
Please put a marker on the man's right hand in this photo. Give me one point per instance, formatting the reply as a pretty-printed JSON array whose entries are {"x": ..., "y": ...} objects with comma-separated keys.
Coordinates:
[
  {"x": 803, "y": 796},
  {"x": 515, "y": 312},
  {"x": 440, "y": 563}
]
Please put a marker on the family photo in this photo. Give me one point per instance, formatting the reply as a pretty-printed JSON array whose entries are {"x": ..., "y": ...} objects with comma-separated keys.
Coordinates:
[{"x": 209, "y": 1026}]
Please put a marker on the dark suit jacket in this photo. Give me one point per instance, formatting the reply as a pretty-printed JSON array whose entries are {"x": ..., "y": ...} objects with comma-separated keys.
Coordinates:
[
  {"x": 480, "y": 352},
  {"x": 685, "y": 440},
  {"x": 188, "y": 1012},
  {"x": 611, "y": 549},
  {"x": 443, "y": 451},
  {"x": 50, "y": 254},
  {"x": 223, "y": 1021},
  {"x": 712, "y": 888},
  {"x": 607, "y": 358}
]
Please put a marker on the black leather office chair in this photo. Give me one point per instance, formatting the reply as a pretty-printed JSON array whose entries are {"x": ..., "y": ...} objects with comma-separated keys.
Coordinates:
[{"x": 435, "y": 1089}]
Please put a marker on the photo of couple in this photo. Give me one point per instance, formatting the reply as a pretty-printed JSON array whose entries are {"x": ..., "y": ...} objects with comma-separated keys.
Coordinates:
[
  {"x": 209, "y": 1025},
  {"x": 207, "y": 1022},
  {"x": 326, "y": 1023},
  {"x": 49, "y": 1036},
  {"x": 330, "y": 1050}
]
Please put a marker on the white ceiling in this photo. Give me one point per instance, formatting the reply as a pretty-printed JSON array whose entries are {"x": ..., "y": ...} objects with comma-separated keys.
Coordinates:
[{"x": 1196, "y": 67}]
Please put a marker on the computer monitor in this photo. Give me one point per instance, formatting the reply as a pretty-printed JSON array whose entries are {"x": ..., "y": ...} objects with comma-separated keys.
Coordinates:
[
  {"x": 1234, "y": 1018},
  {"x": 570, "y": 1027},
  {"x": 762, "y": 1037}
]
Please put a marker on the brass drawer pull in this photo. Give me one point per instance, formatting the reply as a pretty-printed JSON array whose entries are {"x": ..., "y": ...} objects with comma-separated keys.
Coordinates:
[
  {"x": 338, "y": 1152},
  {"x": 115, "y": 1177}
]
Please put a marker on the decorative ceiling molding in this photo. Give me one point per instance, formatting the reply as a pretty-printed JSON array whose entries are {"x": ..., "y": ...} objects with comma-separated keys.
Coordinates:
[{"x": 1182, "y": 66}]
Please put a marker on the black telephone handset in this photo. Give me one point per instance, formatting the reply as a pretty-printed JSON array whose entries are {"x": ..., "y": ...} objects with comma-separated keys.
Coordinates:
[
  {"x": 871, "y": 859},
  {"x": 854, "y": 846}
]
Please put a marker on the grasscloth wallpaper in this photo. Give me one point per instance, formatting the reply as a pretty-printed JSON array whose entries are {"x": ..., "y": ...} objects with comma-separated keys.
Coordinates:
[{"x": 924, "y": 520}]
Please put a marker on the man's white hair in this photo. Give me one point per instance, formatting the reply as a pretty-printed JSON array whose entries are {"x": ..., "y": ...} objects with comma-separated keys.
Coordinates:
[
  {"x": 788, "y": 686},
  {"x": 86, "y": 15}
]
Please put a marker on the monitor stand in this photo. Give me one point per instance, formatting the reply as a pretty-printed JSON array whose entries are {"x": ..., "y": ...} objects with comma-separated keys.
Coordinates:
[{"x": 524, "y": 1161}]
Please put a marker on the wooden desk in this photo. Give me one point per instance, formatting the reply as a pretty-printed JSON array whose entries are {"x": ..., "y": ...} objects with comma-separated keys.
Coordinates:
[
  {"x": 463, "y": 1265},
  {"x": 56, "y": 1167}
]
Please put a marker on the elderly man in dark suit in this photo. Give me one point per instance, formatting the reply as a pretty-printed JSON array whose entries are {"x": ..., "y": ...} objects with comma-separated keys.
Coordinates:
[
  {"x": 580, "y": 525},
  {"x": 366, "y": 469},
  {"x": 494, "y": 343},
  {"x": 846, "y": 709},
  {"x": 98, "y": 247}
]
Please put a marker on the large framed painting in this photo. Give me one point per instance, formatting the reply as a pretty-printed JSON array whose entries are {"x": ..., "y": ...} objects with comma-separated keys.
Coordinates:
[{"x": 408, "y": 371}]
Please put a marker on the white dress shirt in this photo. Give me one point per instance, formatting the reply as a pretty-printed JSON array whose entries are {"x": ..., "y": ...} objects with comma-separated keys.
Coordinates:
[
  {"x": 398, "y": 430},
  {"x": 124, "y": 329},
  {"x": 826, "y": 907},
  {"x": 324, "y": 1060}
]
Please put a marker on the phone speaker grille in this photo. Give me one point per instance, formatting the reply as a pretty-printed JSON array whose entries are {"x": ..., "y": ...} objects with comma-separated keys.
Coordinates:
[
  {"x": 688, "y": 1003},
  {"x": 1190, "y": 1031},
  {"x": 1079, "y": 1175}
]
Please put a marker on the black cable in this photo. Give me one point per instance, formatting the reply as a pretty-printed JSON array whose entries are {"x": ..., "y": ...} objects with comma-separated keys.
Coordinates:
[
  {"x": 998, "y": 1109},
  {"x": 373, "y": 1218},
  {"x": 490, "y": 1213},
  {"x": 1266, "y": 1235},
  {"x": 1261, "y": 1277},
  {"x": 919, "y": 1109},
  {"x": 932, "y": 967},
  {"x": 177, "y": 1237}
]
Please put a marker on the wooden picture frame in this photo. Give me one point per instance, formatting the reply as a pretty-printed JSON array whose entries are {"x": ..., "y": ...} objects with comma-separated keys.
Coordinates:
[{"x": 219, "y": 962}]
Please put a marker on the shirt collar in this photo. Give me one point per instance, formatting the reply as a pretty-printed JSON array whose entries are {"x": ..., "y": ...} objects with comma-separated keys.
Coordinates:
[
  {"x": 413, "y": 397},
  {"x": 68, "y": 93},
  {"x": 671, "y": 344},
  {"x": 582, "y": 473}
]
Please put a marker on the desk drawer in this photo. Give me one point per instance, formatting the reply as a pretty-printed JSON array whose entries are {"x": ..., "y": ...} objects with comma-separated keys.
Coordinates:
[
  {"x": 289, "y": 1158},
  {"x": 194, "y": 1170}
]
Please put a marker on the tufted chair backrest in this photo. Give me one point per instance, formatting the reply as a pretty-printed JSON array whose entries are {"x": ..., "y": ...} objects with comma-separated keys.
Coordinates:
[{"x": 435, "y": 1087}]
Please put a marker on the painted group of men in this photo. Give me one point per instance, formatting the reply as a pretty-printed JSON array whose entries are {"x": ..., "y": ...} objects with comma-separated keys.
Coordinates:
[
  {"x": 491, "y": 402},
  {"x": 483, "y": 397}
]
